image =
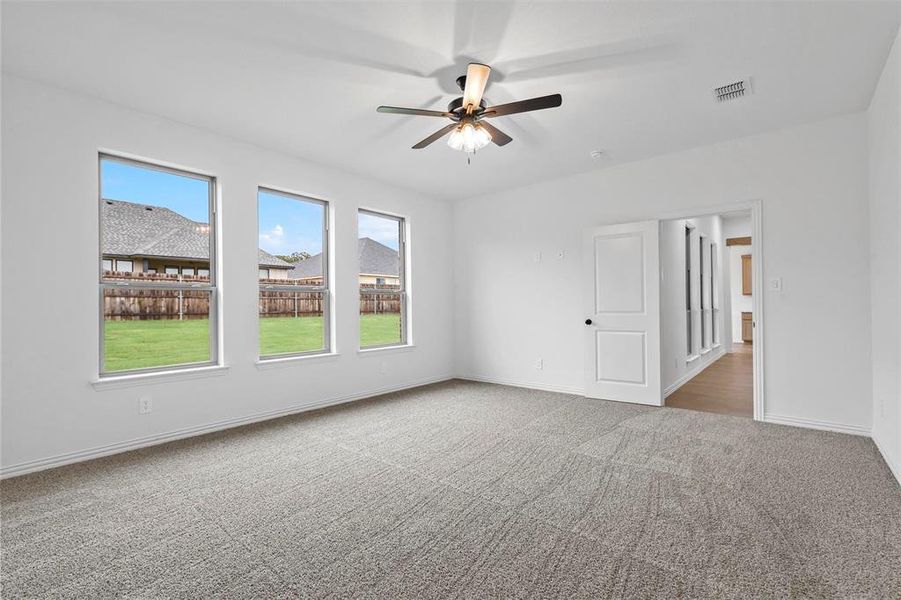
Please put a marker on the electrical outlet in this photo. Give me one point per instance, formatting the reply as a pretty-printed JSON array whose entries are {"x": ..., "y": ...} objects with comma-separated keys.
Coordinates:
[
  {"x": 539, "y": 364},
  {"x": 145, "y": 405}
]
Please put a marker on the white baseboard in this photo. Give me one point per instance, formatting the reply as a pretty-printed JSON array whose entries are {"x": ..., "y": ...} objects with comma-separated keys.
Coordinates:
[
  {"x": 153, "y": 440},
  {"x": 816, "y": 424},
  {"x": 692, "y": 374},
  {"x": 893, "y": 466},
  {"x": 562, "y": 389}
]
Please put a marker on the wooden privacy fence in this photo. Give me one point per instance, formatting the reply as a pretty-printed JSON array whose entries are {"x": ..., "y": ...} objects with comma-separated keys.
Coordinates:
[
  {"x": 123, "y": 304},
  {"x": 129, "y": 303},
  {"x": 386, "y": 300},
  {"x": 290, "y": 304}
]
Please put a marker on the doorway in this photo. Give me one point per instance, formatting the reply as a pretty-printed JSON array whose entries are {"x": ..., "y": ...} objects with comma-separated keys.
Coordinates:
[
  {"x": 708, "y": 319},
  {"x": 673, "y": 315}
]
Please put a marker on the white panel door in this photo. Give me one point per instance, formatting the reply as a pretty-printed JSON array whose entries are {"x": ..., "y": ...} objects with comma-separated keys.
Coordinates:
[{"x": 622, "y": 324}]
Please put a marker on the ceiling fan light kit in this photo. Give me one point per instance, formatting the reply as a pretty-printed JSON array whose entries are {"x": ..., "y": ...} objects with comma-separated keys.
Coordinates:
[
  {"x": 469, "y": 130},
  {"x": 469, "y": 138}
]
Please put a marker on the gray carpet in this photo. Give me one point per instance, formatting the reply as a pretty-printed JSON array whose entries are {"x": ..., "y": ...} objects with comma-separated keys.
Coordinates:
[{"x": 466, "y": 490}]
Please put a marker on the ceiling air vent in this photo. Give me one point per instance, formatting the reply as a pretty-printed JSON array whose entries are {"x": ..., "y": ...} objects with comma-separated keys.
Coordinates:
[{"x": 733, "y": 91}]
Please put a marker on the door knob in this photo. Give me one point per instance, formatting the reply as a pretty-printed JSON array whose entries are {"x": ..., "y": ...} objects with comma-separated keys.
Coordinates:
[{"x": 588, "y": 321}]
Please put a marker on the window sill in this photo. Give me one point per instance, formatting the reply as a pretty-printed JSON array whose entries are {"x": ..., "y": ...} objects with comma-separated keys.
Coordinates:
[
  {"x": 705, "y": 351},
  {"x": 264, "y": 364},
  {"x": 692, "y": 358},
  {"x": 385, "y": 350},
  {"x": 124, "y": 381}
]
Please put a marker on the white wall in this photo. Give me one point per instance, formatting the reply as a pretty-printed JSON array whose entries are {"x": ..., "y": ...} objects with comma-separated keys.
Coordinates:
[
  {"x": 676, "y": 368},
  {"x": 512, "y": 309},
  {"x": 737, "y": 226},
  {"x": 884, "y": 119},
  {"x": 50, "y": 409}
]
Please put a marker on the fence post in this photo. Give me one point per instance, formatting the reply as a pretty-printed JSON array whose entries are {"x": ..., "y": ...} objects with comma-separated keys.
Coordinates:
[{"x": 181, "y": 309}]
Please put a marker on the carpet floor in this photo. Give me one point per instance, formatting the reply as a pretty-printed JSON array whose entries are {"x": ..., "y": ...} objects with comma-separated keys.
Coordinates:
[{"x": 466, "y": 490}]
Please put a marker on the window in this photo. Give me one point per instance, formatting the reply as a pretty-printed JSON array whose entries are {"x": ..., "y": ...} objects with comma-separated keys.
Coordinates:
[
  {"x": 150, "y": 321},
  {"x": 688, "y": 320},
  {"x": 117, "y": 265},
  {"x": 187, "y": 271},
  {"x": 707, "y": 288},
  {"x": 702, "y": 304},
  {"x": 293, "y": 270},
  {"x": 714, "y": 299},
  {"x": 381, "y": 248}
]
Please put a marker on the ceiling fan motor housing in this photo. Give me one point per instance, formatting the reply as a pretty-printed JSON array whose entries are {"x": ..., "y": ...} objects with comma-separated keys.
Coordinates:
[
  {"x": 469, "y": 128},
  {"x": 456, "y": 105}
]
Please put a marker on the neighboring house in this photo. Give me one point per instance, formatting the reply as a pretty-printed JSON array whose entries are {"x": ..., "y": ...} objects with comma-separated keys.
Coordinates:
[
  {"x": 140, "y": 238},
  {"x": 379, "y": 265}
]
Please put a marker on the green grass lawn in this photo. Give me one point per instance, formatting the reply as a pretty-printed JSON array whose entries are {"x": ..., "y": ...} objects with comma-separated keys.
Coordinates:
[
  {"x": 144, "y": 344},
  {"x": 284, "y": 335},
  {"x": 376, "y": 330}
]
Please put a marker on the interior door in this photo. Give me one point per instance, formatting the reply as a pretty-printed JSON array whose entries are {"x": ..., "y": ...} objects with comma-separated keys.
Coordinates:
[{"x": 622, "y": 324}]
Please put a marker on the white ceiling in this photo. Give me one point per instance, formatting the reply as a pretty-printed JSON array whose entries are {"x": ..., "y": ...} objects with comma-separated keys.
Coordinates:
[{"x": 305, "y": 78}]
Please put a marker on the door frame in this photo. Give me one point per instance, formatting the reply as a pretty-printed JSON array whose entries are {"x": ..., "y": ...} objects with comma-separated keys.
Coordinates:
[{"x": 757, "y": 303}]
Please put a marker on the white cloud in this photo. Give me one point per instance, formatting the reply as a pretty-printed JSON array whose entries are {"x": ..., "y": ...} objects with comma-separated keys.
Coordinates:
[
  {"x": 380, "y": 229},
  {"x": 275, "y": 236}
]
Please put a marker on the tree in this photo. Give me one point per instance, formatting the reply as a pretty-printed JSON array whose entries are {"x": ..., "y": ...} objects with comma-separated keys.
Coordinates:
[{"x": 294, "y": 256}]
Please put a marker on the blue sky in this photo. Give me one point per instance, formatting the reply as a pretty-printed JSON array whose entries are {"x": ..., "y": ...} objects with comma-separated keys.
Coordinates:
[
  {"x": 289, "y": 225},
  {"x": 185, "y": 195},
  {"x": 286, "y": 224},
  {"x": 380, "y": 229}
]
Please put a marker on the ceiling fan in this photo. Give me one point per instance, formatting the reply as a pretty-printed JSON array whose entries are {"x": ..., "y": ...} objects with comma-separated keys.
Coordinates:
[{"x": 470, "y": 129}]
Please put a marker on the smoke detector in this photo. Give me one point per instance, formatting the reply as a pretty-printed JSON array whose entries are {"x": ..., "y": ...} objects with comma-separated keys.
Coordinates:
[{"x": 733, "y": 91}]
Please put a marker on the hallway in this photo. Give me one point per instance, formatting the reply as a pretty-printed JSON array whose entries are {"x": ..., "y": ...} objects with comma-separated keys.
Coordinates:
[{"x": 725, "y": 387}]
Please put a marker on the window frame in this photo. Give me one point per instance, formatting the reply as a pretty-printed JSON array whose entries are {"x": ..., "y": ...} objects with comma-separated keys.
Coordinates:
[
  {"x": 324, "y": 288},
  {"x": 211, "y": 287},
  {"x": 703, "y": 346},
  {"x": 402, "y": 225},
  {"x": 714, "y": 297},
  {"x": 689, "y": 319}
]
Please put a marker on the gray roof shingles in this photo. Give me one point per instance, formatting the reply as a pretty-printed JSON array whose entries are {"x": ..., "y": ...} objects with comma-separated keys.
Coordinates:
[
  {"x": 375, "y": 259},
  {"x": 131, "y": 229}
]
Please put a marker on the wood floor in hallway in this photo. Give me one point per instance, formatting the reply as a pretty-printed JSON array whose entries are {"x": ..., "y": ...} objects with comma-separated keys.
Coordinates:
[{"x": 725, "y": 387}]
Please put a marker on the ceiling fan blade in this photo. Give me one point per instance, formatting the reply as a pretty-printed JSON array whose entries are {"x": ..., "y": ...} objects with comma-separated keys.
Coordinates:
[
  {"x": 419, "y": 112},
  {"x": 609, "y": 56},
  {"x": 476, "y": 80},
  {"x": 497, "y": 136},
  {"x": 435, "y": 136},
  {"x": 521, "y": 106}
]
